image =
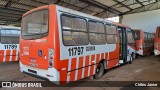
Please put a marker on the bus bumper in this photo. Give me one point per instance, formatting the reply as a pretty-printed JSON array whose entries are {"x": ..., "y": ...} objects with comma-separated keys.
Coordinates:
[
  {"x": 51, "y": 74},
  {"x": 140, "y": 52},
  {"x": 156, "y": 52}
]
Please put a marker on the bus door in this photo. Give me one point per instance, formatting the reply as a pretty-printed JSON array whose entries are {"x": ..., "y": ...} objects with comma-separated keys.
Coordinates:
[{"x": 123, "y": 44}]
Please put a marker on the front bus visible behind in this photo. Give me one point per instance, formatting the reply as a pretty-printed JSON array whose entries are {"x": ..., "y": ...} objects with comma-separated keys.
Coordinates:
[
  {"x": 64, "y": 45},
  {"x": 127, "y": 43},
  {"x": 9, "y": 43},
  {"x": 157, "y": 42}
]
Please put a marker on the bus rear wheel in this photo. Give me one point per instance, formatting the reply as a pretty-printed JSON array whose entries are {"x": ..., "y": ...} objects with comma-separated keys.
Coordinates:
[{"x": 99, "y": 71}]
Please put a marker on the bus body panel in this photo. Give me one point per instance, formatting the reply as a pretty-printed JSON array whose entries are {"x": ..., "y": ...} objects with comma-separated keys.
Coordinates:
[
  {"x": 80, "y": 66},
  {"x": 157, "y": 42},
  {"x": 44, "y": 44},
  {"x": 144, "y": 44},
  {"x": 140, "y": 43},
  {"x": 68, "y": 66}
]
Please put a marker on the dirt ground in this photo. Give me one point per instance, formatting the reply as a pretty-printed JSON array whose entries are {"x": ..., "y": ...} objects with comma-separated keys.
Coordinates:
[{"x": 142, "y": 69}]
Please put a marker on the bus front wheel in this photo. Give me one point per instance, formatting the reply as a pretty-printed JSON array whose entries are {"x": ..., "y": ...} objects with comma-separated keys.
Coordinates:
[
  {"x": 131, "y": 59},
  {"x": 99, "y": 71}
]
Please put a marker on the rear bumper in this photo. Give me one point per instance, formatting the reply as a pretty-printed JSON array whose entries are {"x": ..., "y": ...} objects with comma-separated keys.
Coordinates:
[
  {"x": 140, "y": 52},
  {"x": 51, "y": 74},
  {"x": 156, "y": 52}
]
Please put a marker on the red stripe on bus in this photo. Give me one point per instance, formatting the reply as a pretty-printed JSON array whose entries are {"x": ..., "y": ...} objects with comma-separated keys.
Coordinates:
[
  {"x": 102, "y": 56},
  {"x": 79, "y": 74},
  {"x": 80, "y": 62},
  {"x": 86, "y": 68},
  {"x": 7, "y": 55},
  {"x": 92, "y": 62},
  {"x": 97, "y": 58},
  {"x": 73, "y": 63},
  {"x": 14, "y": 55},
  {"x": 1, "y": 55},
  {"x": 72, "y": 76},
  {"x": 106, "y": 56},
  {"x": 87, "y": 61},
  {"x": 80, "y": 66},
  {"x": 63, "y": 71}
]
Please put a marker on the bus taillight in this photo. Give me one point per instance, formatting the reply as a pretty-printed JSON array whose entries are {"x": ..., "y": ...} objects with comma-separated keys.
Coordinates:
[
  {"x": 140, "y": 47},
  {"x": 156, "y": 45},
  {"x": 50, "y": 58}
]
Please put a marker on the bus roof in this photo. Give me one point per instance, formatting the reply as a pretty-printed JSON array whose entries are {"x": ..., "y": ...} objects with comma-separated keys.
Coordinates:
[
  {"x": 70, "y": 11},
  {"x": 120, "y": 24}
]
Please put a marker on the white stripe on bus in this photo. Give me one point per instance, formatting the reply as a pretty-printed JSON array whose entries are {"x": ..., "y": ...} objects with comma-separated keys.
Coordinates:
[
  {"x": 84, "y": 60},
  {"x": 16, "y": 55},
  {"x": 95, "y": 64},
  {"x": 4, "y": 57},
  {"x": 76, "y": 73},
  {"x": 69, "y": 68},
  {"x": 11, "y": 52}
]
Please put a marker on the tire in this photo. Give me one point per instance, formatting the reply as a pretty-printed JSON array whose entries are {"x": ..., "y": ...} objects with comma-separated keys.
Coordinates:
[
  {"x": 99, "y": 71},
  {"x": 131, "y": 59},
  {"x": 134, "y": 56}
]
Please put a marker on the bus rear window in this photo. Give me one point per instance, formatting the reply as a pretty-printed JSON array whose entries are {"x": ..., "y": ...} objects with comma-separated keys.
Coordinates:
[{"x": 35, "y": 25}]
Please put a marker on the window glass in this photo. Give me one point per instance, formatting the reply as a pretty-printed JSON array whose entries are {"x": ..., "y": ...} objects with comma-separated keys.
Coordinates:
[
  {"x": 130, "y": 38},
  {"x": 74, "y": 31},
  {"x": 145, "y": 37},
  {"x": 137, "y": 34},
  {"x": 9, "y": 36},
  {"x": 97, "y": 33},
  {"x": 111, "y": 35},
  {"x": 96, "y": 38},
  {"x": 96, "y": 27},
  {"x": 111, "y": 39},
  {"x": 35, "y": 25}
]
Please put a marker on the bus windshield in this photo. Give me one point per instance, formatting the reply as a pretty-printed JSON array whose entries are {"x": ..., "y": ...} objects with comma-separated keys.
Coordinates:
[
  {"x": 137, "y": 35},
  {"x": 35, "y": 25}
]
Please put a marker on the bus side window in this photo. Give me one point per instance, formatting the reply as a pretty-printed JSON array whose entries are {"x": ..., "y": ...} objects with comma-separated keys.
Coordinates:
[
  {"x": 130, "y": 38},
  {"x": 74, "y": 30},
  {"x": 96, "y": 33},
  {"x": 145, "y": 39},
  {"x": 9, "y": 36},
  {"x": 111, "y": 34}
]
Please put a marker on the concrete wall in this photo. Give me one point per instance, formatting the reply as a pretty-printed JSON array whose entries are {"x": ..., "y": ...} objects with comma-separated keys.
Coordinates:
[{"x": 148, "y": 21}]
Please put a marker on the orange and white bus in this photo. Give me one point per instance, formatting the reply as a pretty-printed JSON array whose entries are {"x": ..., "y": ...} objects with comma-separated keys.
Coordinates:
[
  {"x": 157, "y": 42},
  {"x": 64, "y": 45},
  {"x": 9, "y": 43},
  {"x": 144, "y": 42}
]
